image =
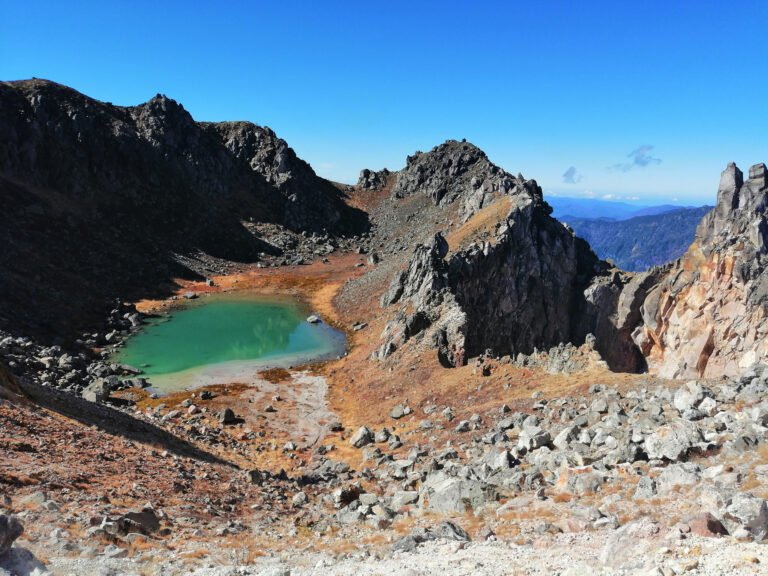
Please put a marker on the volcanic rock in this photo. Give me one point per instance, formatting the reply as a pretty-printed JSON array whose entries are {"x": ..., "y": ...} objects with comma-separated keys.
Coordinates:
[
  {"x": 10, "y": 529},
  {"x": 530, "y": 282},
  {"x": 98, "y": 199}
]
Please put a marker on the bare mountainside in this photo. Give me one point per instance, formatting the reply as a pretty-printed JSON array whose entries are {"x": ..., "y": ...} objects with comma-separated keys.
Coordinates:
[{"x": 100, "y": 201}]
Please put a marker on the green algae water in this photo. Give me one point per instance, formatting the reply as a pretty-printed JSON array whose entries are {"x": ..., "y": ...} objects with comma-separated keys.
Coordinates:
[{"x": 227, "y": 338}]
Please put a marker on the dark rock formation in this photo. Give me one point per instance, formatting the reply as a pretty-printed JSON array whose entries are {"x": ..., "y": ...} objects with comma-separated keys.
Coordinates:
[
  {"x": 454, "y": 171},
  {"x": 10, "y": 530},
  {"x": 100, "y": 201},
  {"x": 534, "y": 285},
  {"x": 373, "y": 180},
  {"x": 528, "y": 284},
  {"x": 311, "y": 203},
  {"x": 526, "y": 289}
]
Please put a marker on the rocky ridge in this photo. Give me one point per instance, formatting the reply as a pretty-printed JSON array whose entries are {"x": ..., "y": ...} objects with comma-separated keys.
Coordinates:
[
  {"x": 372, "y": 179},
  {"x": 539, "y": 286},
  {"x": 101, "y": 201},
  {"x": 311, "y": 203},
  {"x": 454, "y": 171},
  {"x": 535, "y": 282}
]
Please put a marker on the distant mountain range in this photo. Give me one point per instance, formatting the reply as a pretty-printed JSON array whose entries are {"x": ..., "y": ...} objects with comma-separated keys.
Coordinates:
[
  {"x": 570, "y": 208},
  {"x": 641, "y": 242}
]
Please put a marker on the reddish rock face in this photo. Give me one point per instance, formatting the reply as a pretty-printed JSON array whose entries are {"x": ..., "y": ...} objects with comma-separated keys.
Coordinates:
[
  {"x": 706, "y": 317},
  {"x": 707, "y": 525}
]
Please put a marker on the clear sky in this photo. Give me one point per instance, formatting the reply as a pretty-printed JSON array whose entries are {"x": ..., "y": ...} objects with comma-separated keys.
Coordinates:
[{"x": 626, "y": 99}]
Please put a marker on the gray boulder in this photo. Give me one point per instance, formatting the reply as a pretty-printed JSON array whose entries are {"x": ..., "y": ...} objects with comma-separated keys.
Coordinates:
[
  {"x": 747, "y": 512},
  {"x": 227, "y": 416},
  {"x": 444, "y": 531},
  {"x": 674, "y": 475},
  {"x": 404, "y": 498},
  {"x": 672, "y": 441},
  {"x": 398, "y": 411},
  {"x": 362, "y": 437},
  {"x": 586, "y": 482},
  {"x": 98, "y": 390},
  {"x": 688, "y": 397},
  {"x": 533, "y": 437},
  {"x": 646, "y": 488},
  {"x": 497, "y": 460},
  {"x": 450, "y": 494},
  {"x": 565, "y": 437}
]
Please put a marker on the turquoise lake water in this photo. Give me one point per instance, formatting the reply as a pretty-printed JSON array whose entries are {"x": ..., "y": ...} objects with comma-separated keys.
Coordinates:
[{"x": 246, "y": 332}]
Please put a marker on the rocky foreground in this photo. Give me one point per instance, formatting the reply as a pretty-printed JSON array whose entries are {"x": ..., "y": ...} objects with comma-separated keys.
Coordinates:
[{"x": 651, "y": 479}]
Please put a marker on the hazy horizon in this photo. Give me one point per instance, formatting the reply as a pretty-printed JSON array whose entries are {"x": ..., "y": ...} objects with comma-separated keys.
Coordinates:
[{"x": 633, "y": 102}]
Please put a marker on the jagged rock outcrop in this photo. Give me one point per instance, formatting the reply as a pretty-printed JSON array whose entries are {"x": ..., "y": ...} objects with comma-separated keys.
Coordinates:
[
  {"x": 707, "y": 315},
  {"x": 425, "y": 285},
  {"x": 612, "y": 313},
  {"x": 311, "y": 202},
  {"x": 565, "y": 358},
  {"x": 533, "y": 286},
  {"x": 527, "y": 284},
  {"x": 454, "y": 171},
  {"x": 100, "y": 201},
  {"x": 372, "y": 179}
]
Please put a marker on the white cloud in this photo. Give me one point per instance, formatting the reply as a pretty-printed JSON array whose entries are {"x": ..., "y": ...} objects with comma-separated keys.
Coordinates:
[
  {"x": 571, "y": 176},
  {"x": 640, "y": 157}
]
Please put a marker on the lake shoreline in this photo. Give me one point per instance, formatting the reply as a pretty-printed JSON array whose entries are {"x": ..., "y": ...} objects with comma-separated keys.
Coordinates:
[{"x": 228, "y": 337}]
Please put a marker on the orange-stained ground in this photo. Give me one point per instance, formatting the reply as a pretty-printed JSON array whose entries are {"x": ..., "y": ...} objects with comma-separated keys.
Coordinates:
[{"x": 361, "y": 391}]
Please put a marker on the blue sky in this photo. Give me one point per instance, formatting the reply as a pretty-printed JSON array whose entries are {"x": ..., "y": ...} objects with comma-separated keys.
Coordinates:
[{"x": 642, "y": 100}]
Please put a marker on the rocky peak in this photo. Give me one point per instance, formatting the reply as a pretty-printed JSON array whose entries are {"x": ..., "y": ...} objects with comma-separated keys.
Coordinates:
[
  {"x": 534, "y": 282},
  {"x": 311, "y": 203},
  {"x": 372, "y": 179},
  {"x": 455, "y": 171},
  {"x": 261, "y": 148},
  {"x": 739, "y": 205},
  {"x": 165, "y": 123}
]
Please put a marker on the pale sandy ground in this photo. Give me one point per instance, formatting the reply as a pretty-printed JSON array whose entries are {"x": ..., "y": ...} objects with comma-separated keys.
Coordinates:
[{"x": 568, "y": 555}]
